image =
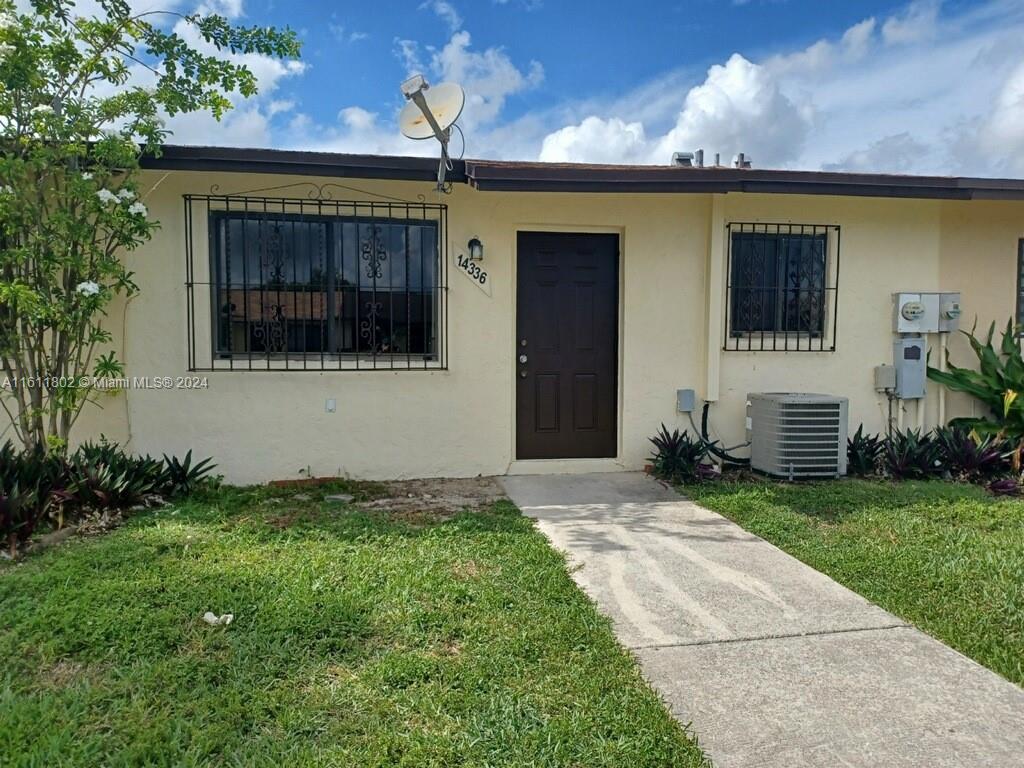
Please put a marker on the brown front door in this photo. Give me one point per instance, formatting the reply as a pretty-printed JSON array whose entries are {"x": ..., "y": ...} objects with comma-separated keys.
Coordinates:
[{"x": 566, "y": 345}]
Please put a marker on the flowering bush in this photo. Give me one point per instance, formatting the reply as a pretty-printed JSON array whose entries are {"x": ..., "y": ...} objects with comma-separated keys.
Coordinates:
[{"x": 74, "y": 120}]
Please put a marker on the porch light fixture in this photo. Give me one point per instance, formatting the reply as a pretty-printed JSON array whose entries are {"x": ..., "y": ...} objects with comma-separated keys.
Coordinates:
[{"x": 476, "y": 249}]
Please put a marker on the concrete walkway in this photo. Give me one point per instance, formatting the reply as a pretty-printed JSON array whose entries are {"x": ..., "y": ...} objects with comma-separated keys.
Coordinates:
[{"x": 773, "y": 663}]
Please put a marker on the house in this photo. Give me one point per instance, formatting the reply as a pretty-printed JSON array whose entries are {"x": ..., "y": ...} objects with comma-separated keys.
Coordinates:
[{"x": 324, "y": 313}]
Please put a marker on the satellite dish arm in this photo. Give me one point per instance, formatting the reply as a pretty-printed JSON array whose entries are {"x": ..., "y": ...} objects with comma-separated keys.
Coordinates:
[{"x": 442, "y": 135}]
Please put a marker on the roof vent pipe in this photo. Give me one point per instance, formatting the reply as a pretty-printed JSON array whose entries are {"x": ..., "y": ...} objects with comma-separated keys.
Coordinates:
[
  {"x": 741, "y": 161},
  {"x": 698, "y": 158},
  {"x": 682, "y": 159},
  {"x": 718, "y": 159}
]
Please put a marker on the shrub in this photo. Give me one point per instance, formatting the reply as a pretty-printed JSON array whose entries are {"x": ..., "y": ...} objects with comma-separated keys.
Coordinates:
[
  {"x": 910, "y": 455},
  {"x": 107, "y": 477},
  {"x": 36, "y": 485},
  {"x": 863, "y": 453},
  {"x": 996, "y": 383},
  {"x": 678, "y": 458},
  {"x": 33, "y": 486},
  {"x": 183, "y": 477},
  {"x": 970, "y": 456},
  {"x": 1005, "y": 486}
]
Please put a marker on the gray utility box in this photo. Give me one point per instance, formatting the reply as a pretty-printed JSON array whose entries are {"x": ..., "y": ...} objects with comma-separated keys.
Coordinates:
[
  {"x": 797, "y": 436},
  {"x": 910, "y": 358}
]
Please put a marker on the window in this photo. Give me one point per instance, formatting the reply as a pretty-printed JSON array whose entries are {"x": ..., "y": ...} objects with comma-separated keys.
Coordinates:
[
  {"x": 780, "y": 287},
  {"x": 299, "y": 284}
]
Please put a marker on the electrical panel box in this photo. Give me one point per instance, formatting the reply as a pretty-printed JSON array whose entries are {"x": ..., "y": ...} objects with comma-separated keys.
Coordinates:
[
  {"x": 907, "y": 312},
  {"x": 916, "y": 312},
  {"x": 911, "y": 361},
  {"x": 885, "y": 378},
  {"x": 686, "y": 400},
  {"x": 927, "y": 312},
  {"x": 949, "y": 312}
]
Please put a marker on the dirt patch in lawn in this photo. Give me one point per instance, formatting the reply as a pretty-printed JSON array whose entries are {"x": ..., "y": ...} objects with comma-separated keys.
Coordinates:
[{"x": 435, "y": 497}]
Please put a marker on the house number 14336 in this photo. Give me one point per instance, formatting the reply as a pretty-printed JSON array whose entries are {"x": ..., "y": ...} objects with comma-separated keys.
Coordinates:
[{"x": 472, "y": 269}]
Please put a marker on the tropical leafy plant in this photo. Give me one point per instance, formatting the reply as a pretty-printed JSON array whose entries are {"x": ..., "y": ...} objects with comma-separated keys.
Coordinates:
[
  {"x": 996, "y": 383},
  {"x": 678, "y": 458},
  {"x": 863, "y": 453},
  {"x": 33, "y": 486},
  {"x": 1005, "y": 486},
  {"x": 183, "y": 477},
  {"x": 970, "y": 456},
  {"x": 108, "y": 477},
  {"x": 910, "y": 455},
  {"x": 84, "y": 90},
  {"x": 38, "y": 485}
]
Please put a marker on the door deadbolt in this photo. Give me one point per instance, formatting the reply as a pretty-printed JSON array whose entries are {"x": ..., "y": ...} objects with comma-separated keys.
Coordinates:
[{"x": 522, "y": 358}]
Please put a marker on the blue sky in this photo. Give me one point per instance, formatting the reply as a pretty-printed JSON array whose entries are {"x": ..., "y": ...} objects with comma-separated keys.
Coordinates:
[{"x": 919, "y": 87}]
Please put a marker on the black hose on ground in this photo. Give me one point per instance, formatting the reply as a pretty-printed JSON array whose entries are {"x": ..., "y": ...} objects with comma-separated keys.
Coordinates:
[{"x": 713, "y": 449}]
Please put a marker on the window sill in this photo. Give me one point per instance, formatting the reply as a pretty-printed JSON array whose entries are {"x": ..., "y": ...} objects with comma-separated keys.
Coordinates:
[{"x": 325, "y": 364}]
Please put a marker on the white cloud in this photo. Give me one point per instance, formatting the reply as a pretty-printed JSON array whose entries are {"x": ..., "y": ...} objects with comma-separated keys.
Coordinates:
[
  {"x": 918, "y": 22},
  {"x": 997, "y": 139},
  {"x": 408, "y": 52},
  {"x": 857, "y": 39},
  {"x": 596, "y": 141},
  {"x": 928, "y": 89},
  {"x": 249, "y": 123},
  {"x": 446, "y": 12},
  {"x": 738, "y": 108},
  {"x": 343, "y": 35},
  {"x": 898, "y": 153},
  {"x": 918, "y": 92},
  {"x": 489, "y": 77}
]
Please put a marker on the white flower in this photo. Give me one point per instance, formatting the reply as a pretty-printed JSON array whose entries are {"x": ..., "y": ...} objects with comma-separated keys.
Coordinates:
[
  {"x": 88, "y": 288},
  {"x": 126, "y": 195},
  {"x": 106, "y": 196},
  {"x": 6, "y": 49},
  {"x": 138, "y": 208},
  {"x": 87, "y": 176},
  {"x": 5, "y": 190},
  {"x": 41, "y": 109},
  {"x": 8, "y": 20}
]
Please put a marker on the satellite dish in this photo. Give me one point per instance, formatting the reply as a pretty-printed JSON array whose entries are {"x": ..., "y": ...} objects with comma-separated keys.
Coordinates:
[
  {"x": 444, "y": 102},
  {"x": 431, "y": 112}
]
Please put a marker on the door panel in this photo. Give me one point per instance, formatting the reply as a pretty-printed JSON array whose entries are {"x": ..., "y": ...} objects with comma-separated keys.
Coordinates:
[{"x": 567, "y": 328}]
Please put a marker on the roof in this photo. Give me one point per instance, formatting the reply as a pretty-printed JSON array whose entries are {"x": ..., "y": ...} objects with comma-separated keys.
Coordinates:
[{"x": 516, "y": 176}]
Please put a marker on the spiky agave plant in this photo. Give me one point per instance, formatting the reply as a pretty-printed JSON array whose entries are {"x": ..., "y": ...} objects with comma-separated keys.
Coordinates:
[
  {"x": 863, "y": 453},
  {"x": 678, "y": 458},
  {"x": 911, "y": 455}
]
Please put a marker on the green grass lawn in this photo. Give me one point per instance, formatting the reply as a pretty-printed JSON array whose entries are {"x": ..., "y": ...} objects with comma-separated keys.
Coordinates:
[
  {"x": 360, "y": 638},
  {"x": 948, "y": 558}
]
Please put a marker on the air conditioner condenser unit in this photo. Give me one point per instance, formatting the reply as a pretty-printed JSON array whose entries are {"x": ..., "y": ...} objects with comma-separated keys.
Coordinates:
[{"x": 797, "y": 436}]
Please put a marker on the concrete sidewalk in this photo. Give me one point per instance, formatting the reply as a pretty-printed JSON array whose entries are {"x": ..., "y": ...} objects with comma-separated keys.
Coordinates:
[{"x": 773, "y": 663}]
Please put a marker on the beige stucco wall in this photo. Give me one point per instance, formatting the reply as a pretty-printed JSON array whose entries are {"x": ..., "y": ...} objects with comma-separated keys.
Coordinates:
[{"x": 459, "y": 422}]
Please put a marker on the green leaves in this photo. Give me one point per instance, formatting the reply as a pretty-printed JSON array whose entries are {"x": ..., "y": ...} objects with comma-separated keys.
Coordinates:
[
  {"x": 75, "y": 115},
  {"x": 996, "y": 382}
]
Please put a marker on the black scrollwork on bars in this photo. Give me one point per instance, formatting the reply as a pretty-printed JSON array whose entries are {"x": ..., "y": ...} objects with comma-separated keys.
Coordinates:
[
  {"x": 373, "y": 250},
  {"x": 270, "y": 332}
]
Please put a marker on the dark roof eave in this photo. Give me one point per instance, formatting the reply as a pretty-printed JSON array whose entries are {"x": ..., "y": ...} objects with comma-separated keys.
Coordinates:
[
  {"x": 241, "y": 160},
  {"x": 537, "y": 177},
  {"x": 499, "y": 176}
]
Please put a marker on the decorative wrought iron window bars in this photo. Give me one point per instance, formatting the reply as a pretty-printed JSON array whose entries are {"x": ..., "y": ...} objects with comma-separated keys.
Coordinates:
[
  {"x": 315, "y": 284},
  {"x": 782, "y": 287}
]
